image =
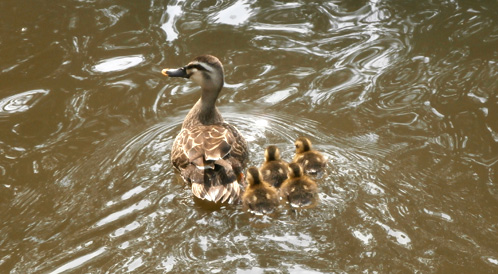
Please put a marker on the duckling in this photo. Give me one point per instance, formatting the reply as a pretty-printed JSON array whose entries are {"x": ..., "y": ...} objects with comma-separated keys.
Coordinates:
[
  {"x": 260, "y": 197},
  {"x": 209, "y": 153},
  {"x": 274, "y": 169},
  {"x": 311, "y": 160},
  {"x": 299, "y": 189}
]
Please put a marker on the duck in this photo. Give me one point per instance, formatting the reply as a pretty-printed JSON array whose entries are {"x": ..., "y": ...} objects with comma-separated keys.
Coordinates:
[
  {"x": 312, "y": 161},
  {"x": 274, "y": 169},
  {"x": 209, "y": 153},
  {"x": 299, "y": 189},
  {"x": 260, "y": 196}
]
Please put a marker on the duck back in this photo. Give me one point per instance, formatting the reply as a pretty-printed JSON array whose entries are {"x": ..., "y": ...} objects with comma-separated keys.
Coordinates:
[
  {"x": 275, "y": 172},
  {"x": 300, "y": 191}
]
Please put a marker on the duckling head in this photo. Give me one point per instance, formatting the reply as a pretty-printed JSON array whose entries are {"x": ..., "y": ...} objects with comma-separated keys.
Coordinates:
[
  {"x": 272, "y": 153},
  {"x": 295, "y": 170},
  {"x": 204, "y": 70},
  {"x": 302, "y": 144},
  {"x": 253, "y": 176}
]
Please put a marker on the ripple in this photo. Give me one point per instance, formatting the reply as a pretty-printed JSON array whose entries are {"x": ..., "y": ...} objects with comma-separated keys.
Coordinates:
[
  {"x": 124, "y": 212},
  {"x": 332, "y": 82},
  {"x": 257, "y": 127},
  {"x": 469, "y": 25},
  {"x": 314, "y": 17},
  {"x": 286, "y": 28},
  {"x": 78, "y": 262},
  {"x": 400, "y": 236},
  {"x": 344, "y": 73},
  {"x": 378, "y": 15},
  {"x": 401, "y": 76},
  {"x": 365, "y": 237},
  {"x": 21, "y": 102},
  {"x": 118, "y": 63},
  {"x": 491, "y": 260},
  {"x": 208, "y": 6},
  {"x": 289, "y": 12},
  {"x": 440, "y": 215},
  {"x": 402, "y": 100},
  {"x": 376, "y": 55},
  {"x": 236, "y": 14},
  {"x": 279, "y": 95},
  {"x": 341, "y": 43},
  {"x": 169, "y": 27},
  {"x": 137, "y": 40},
  {"x": 108, "y": 17}
]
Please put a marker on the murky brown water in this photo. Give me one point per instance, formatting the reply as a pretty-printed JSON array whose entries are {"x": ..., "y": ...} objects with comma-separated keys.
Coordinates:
[{"x": 402, "y": 96}]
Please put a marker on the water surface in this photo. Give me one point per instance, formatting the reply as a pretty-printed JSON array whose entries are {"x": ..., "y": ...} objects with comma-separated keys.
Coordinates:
[{"x": 400, "y": 96}]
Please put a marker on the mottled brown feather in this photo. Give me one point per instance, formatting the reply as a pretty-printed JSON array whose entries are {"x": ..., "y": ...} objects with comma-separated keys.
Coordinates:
[{"x": 209, "y": 153}]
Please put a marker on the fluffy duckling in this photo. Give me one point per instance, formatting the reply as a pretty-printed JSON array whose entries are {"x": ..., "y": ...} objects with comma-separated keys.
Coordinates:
[
  {"x": 299, "y": 189},
  {"x": 274, "y": 169},
  {"x": 260, "y": 197},
  {"x": 209, "y": 153},
  {"x": 312, "y": 161}
]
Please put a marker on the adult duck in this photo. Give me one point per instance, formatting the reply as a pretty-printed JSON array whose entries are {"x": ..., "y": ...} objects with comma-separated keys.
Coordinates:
[{"x": 209, "y": 153}]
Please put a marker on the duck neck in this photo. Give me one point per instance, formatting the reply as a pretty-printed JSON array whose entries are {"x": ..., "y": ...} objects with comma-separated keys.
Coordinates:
[
  {"x": 256, "y": 182},
  {"x": 205, "y": 110},
  {"x": 271, "y": 158},
  {"x": 208, "y": 99}
]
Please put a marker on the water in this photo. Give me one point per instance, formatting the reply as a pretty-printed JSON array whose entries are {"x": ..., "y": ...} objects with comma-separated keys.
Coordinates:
[{"x": 401, "y": 97}]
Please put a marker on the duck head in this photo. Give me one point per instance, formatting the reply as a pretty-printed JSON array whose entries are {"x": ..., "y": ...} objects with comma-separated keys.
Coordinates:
[
  {"x": 302, "y": 145},
  {"x": 295, "y": 170},
  {"x": 204, "y": 70},
  {"x": 253, "y": 176},
  {"x": 272, "y": 153}
]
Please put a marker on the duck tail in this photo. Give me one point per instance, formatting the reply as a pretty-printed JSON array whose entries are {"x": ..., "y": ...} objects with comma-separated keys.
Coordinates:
[
  {"x": 229, "y": 193},
  {"x": 218, "y": 185},
  {"x": 219, "y": 193}
]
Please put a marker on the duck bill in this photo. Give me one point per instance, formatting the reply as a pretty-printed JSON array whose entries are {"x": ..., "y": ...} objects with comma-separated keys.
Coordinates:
[{"x": 180, "y": 72}]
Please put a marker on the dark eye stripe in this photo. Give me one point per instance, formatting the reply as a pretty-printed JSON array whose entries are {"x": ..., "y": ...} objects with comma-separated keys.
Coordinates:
[{"x": 196, "y": 66}]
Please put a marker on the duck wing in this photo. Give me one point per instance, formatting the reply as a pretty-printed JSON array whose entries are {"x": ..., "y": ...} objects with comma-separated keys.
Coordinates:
[
  {"x": 211, "y": 158},
  {"x": 239, "y": 146},
  {"x": 201, "y": 146}
]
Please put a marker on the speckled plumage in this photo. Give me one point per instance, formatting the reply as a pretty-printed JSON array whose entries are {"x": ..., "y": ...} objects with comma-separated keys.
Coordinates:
[
  {"x": 312, "y": 161},
  {"x": 299, "y": 189},
  {"x": 260, "y": 197},
  {"x": 274, "y": 169},
  {"x": 209, "y": 153}
]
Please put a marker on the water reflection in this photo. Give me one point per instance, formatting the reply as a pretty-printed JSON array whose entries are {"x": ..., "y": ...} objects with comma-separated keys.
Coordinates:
[
  {"x": 236, "y": 14},
  {"x": 118, "y": 63},
  {"x": 401, "y": 98},
  {"x": 21, "y": 102}
]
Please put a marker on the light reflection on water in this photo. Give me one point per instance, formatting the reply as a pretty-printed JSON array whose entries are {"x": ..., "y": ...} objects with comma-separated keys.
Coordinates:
[
  {"x": 21, "y": 102},
  {"x": 118, "y": 63},
  {"x": 401, "y": 98}
]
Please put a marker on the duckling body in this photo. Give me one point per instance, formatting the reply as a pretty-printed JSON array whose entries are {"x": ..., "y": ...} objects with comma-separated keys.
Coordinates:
[
  {"x": 260, "y": 197},
  {"x": 312, "y": 161},
  {"x": 274, "y": 169},
  {"x": 299, "y": 189},
  {"x": 209, "y": 153}
]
